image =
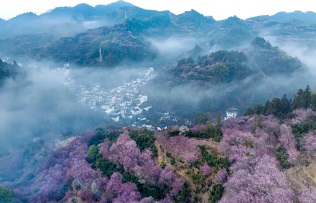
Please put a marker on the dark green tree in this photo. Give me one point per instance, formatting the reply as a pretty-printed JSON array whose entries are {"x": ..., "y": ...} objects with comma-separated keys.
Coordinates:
[{"x": 6, "y": 195}]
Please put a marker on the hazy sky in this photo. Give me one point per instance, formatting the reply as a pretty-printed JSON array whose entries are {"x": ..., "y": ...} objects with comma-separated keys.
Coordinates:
[{"x": 219, "y": 9}]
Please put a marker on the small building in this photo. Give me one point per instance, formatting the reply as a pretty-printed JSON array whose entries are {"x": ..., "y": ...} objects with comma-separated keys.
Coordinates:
[{"x": 231, "y": 113}]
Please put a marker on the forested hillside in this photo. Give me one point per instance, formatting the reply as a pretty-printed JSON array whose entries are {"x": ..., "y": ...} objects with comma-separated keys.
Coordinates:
[
  {"x": 119, "y": 104},
  {"x": 255, "y": 158}
]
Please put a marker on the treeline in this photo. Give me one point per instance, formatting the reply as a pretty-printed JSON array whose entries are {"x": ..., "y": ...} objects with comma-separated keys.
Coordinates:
[
  {"x": 206, "y": 130},
  {"x": 282, "y": 107}
]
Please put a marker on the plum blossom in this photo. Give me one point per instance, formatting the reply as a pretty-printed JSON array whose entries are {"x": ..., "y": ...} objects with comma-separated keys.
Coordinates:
[{"x": 205, "y": 169}]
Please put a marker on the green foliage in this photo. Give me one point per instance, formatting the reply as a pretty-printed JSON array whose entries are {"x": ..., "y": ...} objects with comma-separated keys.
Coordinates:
[
  {"x": 212, "y": 160},
  {"x": 212, "y": 131},
  {"x": 93, "y": 151},
  {"x": 198, "y": 179},
  {"x": 163, "y": 164},
  {"x": 101, "y": 134},
  {"x": 173, "y": 133},
  {"x": 184, "y": 195},
  {"x": 196, "y": 163},
  {"x": 262, "y": 43},
  {"x": 218, "y": 67},
  {"x": 98, "y": 162},
  {"x": 168, "y": 154},
  {"x": 313, "y": 101},
  {"x": 282, "y": 156},
  {"x": 301, "y": 129},
  {"x": 215, "y": 132},
  {"x": 173, "y": 161},
  {"x": 282, "y": 107},
  {"x": 302, "y": 99},
  {"x": 271, "y": 60},
  {"x": 249, "y": 143},
  {"x": 185, "y": 61},
  {"x": 201, "y": 118},
  {"x": 157, "y": 192},
  {"x": 196, "y": 199},
  {"x": 216, "y": 193},
  {"x": 128, "y": 177},
  {"x": 145, "y": 140},
  {"x": 6, "y": 195}
]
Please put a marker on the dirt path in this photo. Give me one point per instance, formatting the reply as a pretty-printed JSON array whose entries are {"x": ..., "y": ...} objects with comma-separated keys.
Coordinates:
[
  {"x": 182, "y": 168},
  {"x": 162, "y": 158}
]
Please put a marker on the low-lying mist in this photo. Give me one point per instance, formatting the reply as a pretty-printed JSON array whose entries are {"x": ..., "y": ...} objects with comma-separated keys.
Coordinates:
[
  {"x": 39, "y": 104},
  {"x": 42, "y": 105},
  {"x": 45, "y": 101}
]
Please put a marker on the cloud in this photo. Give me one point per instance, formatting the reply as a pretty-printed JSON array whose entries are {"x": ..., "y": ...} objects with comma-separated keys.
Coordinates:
[{"x": 40, "y": 104}]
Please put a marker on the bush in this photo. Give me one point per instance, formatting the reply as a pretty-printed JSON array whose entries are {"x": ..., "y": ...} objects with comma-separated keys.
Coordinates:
[
  {"x": 212, "y": 160},
  {"x": 282, "y": 156},
  {"x": 101, "y": 134},
  {"x": 168, "y": 154},
  {"x": 216, "y": 193},
  {"x": 98, "y": 162},
  {"x": 145, "y": 140},
  {"x": 163, "y": 165},
  {"x": 6, "y": 195},
  {"x": 184, "y": 195}
]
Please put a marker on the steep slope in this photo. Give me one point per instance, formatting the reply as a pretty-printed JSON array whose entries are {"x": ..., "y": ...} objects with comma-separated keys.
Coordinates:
[
  {"x": 104, "y": 46},
  {"x": 250, "y": 158}
]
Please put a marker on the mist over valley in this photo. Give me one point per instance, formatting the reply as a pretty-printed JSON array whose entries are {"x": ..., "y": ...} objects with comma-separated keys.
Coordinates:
[{"x": 116, "y": 103}]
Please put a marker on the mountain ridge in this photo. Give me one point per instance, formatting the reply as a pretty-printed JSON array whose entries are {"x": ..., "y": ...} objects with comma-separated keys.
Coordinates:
[{"x": 308, "y": 16}]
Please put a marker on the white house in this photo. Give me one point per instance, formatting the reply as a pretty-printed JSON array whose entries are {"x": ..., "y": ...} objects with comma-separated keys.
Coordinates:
[{"x": 231, "y": 113}]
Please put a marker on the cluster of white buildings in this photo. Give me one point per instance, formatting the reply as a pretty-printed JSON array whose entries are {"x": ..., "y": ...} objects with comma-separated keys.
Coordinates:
[
  {"x": 120, "y": 103},
  {"x": 125, "y": 103}
]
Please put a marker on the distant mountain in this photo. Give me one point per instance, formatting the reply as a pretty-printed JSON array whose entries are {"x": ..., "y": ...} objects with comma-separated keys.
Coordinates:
[
  {"x": 84, "y": 11},
  {"x": 231, "y": 32},
  {"x": 25, "y": 33},
  {"x": 308, "y": 17},
  {"x": 22, "y": 44},
  {"x": 19, "y": 25},
  {"x": 23, "y": 17},
  {"x": 114, "y": 6},
  {"x": 66, "y": 21},
  {"x": 285, "y": 32},
  {"x": 193, "y": 19}
]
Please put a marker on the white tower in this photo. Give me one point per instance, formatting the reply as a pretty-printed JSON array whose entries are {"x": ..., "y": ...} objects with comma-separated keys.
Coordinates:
[{"x": 100, "y": 54}]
